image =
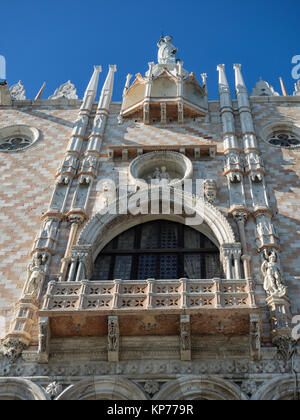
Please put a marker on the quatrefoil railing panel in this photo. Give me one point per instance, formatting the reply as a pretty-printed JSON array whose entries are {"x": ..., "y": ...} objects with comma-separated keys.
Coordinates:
[{"x": 149, "y": 294}]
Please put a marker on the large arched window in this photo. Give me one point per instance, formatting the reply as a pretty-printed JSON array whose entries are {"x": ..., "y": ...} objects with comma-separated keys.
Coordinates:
[{"x": 159, "y": 250}]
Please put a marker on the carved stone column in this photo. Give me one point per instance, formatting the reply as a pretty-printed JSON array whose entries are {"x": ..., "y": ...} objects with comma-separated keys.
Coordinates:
[
  {"x": 241, "y": 217},
  {"x": 113, "y": 339},
  {"x": 185, "y": 338},
  {"x": 76, "y": 221},
  {"x": 81, "y": 263}
]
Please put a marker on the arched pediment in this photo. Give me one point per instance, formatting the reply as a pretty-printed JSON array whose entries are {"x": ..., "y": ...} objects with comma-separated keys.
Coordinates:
[{"x": 102, "y": 228}]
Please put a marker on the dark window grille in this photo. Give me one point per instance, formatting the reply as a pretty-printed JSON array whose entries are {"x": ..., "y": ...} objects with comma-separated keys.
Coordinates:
[{"x": 160, "y": 250}]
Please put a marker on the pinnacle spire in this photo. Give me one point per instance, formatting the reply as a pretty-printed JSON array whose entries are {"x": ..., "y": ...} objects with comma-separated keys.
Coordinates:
[{"x": 107, "y": 90}]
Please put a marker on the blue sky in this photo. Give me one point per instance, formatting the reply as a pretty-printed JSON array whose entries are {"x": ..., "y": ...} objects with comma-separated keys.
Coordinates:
[{"x": 55, "y": 41}]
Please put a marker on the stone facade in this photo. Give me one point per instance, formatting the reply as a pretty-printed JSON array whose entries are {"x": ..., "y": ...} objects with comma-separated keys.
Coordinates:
[{"x": 68, "y": 334}]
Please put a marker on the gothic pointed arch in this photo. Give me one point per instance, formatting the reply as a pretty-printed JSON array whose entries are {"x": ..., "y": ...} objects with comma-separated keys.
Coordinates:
[
  {"x": 104, "y": 388},
  {"x": 200, "y": 388}
]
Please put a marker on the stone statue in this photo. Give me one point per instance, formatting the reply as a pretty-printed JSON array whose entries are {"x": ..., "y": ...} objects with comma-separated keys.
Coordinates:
[
  {"x": 90, "y": 162},
  {"x": 185, "y": 337},
  {"x": 65, "y": 91},
  {"x": 113, "y": 336},
  {"x": 272, "y": 275},
  {"x": 167, "y": 51},
  {"x": 159, "y": 175},
  {"x": 36, "y": 274},
  {"x": 50, "y": 229},
  {"x": 70, "y": 164},
  {"x": 17, "y": 92}
]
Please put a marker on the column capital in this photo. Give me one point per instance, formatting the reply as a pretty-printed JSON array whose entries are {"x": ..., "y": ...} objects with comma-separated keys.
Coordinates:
[{"x": 240, "y": 216}]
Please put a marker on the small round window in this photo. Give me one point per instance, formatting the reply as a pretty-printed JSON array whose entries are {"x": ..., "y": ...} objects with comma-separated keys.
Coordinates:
[
  {"x": 284, "y": 140},
  {"x": 17, "y": 138},
  {"x": 15, "y": 143}
]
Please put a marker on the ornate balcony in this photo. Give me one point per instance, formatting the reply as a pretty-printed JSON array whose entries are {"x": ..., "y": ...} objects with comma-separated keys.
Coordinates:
[
  {"x": 120, "y": 310},
  {"x": 150, "y": 295}
]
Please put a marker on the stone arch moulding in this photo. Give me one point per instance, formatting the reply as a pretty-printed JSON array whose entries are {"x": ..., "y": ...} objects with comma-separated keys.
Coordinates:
[
  {"x": 21, "y": 389},
  {"x": 102, "y": 228},
  {"x": 204, "y": 387},
  {"x": 104, "y": 388},
  {"x": 280, "y": 388}
]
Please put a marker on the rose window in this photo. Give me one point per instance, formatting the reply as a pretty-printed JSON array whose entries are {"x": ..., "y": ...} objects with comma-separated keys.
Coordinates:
[{"x": 284, "y": 140}]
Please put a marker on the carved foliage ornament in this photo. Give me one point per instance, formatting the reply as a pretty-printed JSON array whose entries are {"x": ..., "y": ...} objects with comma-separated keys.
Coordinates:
[
  {"x": 12, "y": 349},
  {"x": 17, "y": 92},
  {"x": 286, "y": 346},
  {"x": 65, "y": 91}
]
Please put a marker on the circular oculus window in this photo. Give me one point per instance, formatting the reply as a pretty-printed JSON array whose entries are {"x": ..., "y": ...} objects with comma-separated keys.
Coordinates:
[
  {"x": 17, "y": 138},
  {"x": 284, "y": 140}
]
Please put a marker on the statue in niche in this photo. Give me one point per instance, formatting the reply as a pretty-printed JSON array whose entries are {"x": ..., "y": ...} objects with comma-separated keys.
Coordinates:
[
  {"x": 266, "y": 228},
  {"x": 113, "y": 336},
  {"x": 273, "y": 284},
  {"x": 167, "y": 51},
  {"x": 185, "y": 337},
  {"x": 36, "y": 274},
  {"x": 90, "y": 162},
  {"x": 50, "y": 229},
  {"x": 159, "y": 175},
  {"x": 70, "y": 164}
]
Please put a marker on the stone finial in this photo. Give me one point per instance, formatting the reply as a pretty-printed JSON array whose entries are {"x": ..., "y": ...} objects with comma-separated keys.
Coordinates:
[{"x": 239, "y": 81}]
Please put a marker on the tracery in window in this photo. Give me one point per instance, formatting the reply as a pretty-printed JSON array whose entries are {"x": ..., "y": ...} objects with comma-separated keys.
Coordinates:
[
  {"x": 15, "y": 143},
  {"x": 284, "y": 140},
  {"x": 159, "y": 250}
]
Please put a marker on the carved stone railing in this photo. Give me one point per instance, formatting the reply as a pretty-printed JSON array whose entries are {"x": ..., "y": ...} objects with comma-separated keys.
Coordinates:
[{"x": 102, "y": 296}]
